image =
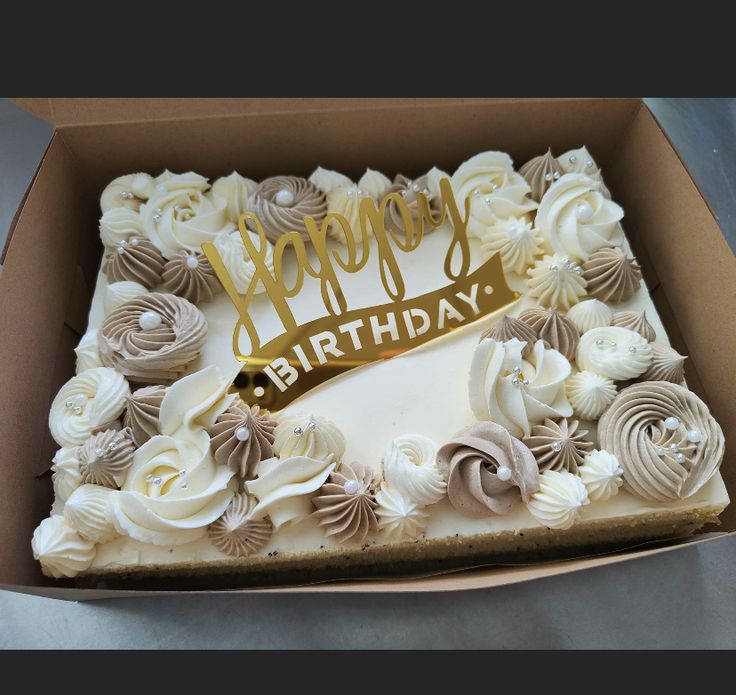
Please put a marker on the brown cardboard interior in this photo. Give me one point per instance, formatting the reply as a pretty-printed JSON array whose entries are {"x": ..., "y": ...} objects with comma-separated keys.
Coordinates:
[{"x": 54, "y": 250}]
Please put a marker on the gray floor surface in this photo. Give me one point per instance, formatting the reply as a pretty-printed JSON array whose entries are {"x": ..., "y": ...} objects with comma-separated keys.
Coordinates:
[{"x": 683, "y": 599}]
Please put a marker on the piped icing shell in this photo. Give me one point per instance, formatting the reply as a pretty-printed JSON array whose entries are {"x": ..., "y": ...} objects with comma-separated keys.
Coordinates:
[
  {"x": 282, "y": 202},
  {"x": 375, "y": 183},
  {"x": 398, "y": 517},
  {"x": 617, "y": 353},
  {"x": 540, "y": 173},
  {"x": 611, "y": 275},
  {"x": 558, "y": 501},
  {"x": 128, "y": 191},
  {"x": 61, "y": 551},
  {"x": 242, "y": 437},
  {"x": 153, "y": 355},
  {"x": 238, "y": 263},
  {"x": 517, "y": 241},
  {"x": 87, "y": 402},
  {"x": 236, "y": 533},
  {"x": 409, "y": 467},
  {"x": 117, "y": 293},
  {"x": 327, "y": 179},
  {"x": 191, "y": 276},
  {"x": 590, "y": 394},
  {"x": 235, "y": 190},
  {"x": 576, "y": 219},
  {"x": 667, "y": 365},
  {"x": 554, "y": 328},
  {"x": 86, "y": 351},
  {"x": 555, "y": 281},
  {"x": 87, "y": 511},
  {"x": 409, "y": 191},
  {"x": 120, "y": 224},
  {"x": 635, "y": 321},
  {"x": 345, "y": 201},
  {"x": 558, "y": 445},
  {"x": 590, "y": 313},
  {"x": 601, "y": 473},
  {"x": 105, "y": 457},
  {"x": 137, "y": 260},
  {"x": 487, "y": 470},
  {"x": 141, "y": 413},
  {"x": 346, "y": 504},
  {"x": 665, "y": 439},
  {"x": 65, "y": 473},
  {"x": 516, "y": 391},
  {"x": 313, "y": 436},
  {"x": 580, "y": 161},
  {"x": 509, "y": 327}
]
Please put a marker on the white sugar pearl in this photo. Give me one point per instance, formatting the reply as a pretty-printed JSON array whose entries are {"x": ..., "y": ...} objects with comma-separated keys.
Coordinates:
[
  {"x": 671, "y": 423},
  {"x": 242, "y": 434},
  {"x": 504, "y": 473},
  {"x": 351, "y": 487},
  {"x": 192, "y": 263},
  {"x": 80, "y": 399},
  {"x": 583, "y": 211},
  {"x": 149, "y": 320},
  {"x": 284, "y": 197},
  {"x": 694, "y": 436}
]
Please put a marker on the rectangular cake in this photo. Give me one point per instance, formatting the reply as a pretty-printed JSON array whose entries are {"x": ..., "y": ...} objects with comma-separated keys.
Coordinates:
[{"x": 319, "y": 377}]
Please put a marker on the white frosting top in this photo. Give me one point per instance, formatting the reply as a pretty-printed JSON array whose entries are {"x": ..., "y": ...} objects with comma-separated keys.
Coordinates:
[
  {"x": 88, "y": 512},
  {"x": 126, "y": 191},
  {"x": 120, "y": 224},
  {"x": 117, "y": 293},
  {"x": 66, "y": 475},
  {"x": 602, "y": 475},
  {"x": 556, "y": 282},
  {"x": 60, "y": 549},
  {"x": 518, "y": 242},
  {"x": 590, "y": 394},
  {"x": 374, "y": 182},
  {"x": 518, "y": 392},
  {"x": 94, "y": 398},
  {"x": 237, "y": 261},
  {"x": 310, "y": 436},
  {"x": 399, "y": 518},
  {"x": 327, "y": 179},
  {"x": 345, "y": 200},
  {"x": 234, "y": 189},
  {"x": 590, "y": 313},
  {"x": 284, "y": 488},
  {"x": 88, "y": 356},
  {"x": 409, "y": 467},
  {"x": 496, "y": 191},
  {"x": 559, "y": 499},
  {"x": 576, "y": 219},
  {"x": 577, "y": 162},
  {"x": 615, "y": 352}
]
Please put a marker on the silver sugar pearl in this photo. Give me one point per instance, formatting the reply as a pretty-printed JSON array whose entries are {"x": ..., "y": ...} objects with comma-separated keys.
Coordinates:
[
  {"x": 556, "y": 175},
  {"x": 694, "y": 436},
  {"x": 157, "y": 217},
  {"x": 557, "y": 446},
  {"x": 517, "y": 370},
  {"x": 312, "y": 426},
  {"x": 77, "y": 410},
  {"x": 515, "y": 381},
  {"x": 112, "y": 446},
  {"x": 157, "y": 481},
  {"x": 183, "y": 471},
  {"x": 660, "y": 451},
  {"x": 494, "y": 186},
  {"x": 298, "y": 431},
  {"x": 671, "y": 423},
  {"x": 599, "y": 342},
  {"x": 69, "y": 404},
  {"x": 578, "y": 270},
  {"x": 488, "y": 200},
  {"x": 99, "y": 453},
  {"x": 554, "y": 268},
  {"x": 673, "y": 447},
  {"x": 572, "y": 159},
  {"x": 184, "y": 486},
  {"x": 680, "y": 458},
  {"x": 548, "y": 177},
  {"x": 135, "y": 241},
  {"x": 613, "y": 344},
  {"x": 525, "y": 382},
  {"x": 632, "y": 349},
  {"x": 588, "y": 164},
  {"x": 149, "y": 478}
]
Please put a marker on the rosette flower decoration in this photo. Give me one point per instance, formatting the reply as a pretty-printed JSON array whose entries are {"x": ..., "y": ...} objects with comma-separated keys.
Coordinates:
[
  {"x": 555, "y": 281},
  {"x": 152, "y": 338},
  {"x": 558, "y": 445},
  {"x": 313, "y": 436},
  {"x": 487, "y": 470},
  {"x": 576, "y": 219},
  {"x": 236, "y": 532},
  {"x": 409, "y": 467},
  {"x": 180, "y": 215},
  {"x": 142, "y": 411},
  {"x": 238, "y": 263},
  {"x": 129, "y": 191},
  {"x": 601, "y": 474},
  {"x": 234, "y": 190},
  {"x": 518, "y": 242},
  {"x": 137, "y": 260},
  {"x": 667, "y": 365},
  {"x": 87, "y": 511},
  {"x": 87, "y": 402},
  {"x": 555, "y": 329},
  {"x": 611, "y": 275},
  {"x": 613, "y": 352},
  {"x": 408, "y": 189},
  {"x": 540, "y": 173},
  {"x": 496, "y": 191},
  {"x": 282, "y": 202},
  {"x": 580, "y": 161},
  {"x": 86, "y": 351},
  {"x": 665, "y": 439},
  {"x": 65, "y": 473},
  {"x": 399, "y": 518},
  {"x": 558, "y": 501},
  {"x": 509, "y": 327},
  {"x": 515, "y": 391},
  {"x": 191, "y": 276},
  {"x": 120, "y": 224},
  {"x": 105, "y": 457},
  {"x": 61, "y": 551},
  {"x": 117, "y": 293}
]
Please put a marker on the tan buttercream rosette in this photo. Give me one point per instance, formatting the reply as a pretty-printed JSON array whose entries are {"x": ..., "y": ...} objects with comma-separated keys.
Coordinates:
[
  {"x": 152, "y": 338},
  {"x": 236, "y": 533},
  {"x": 665, "y": 439},
  {"x": 487, "y": 470}
]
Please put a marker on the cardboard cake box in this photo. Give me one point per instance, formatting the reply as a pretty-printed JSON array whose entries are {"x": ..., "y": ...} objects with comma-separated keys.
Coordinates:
[{"x": 53, "y": 253}]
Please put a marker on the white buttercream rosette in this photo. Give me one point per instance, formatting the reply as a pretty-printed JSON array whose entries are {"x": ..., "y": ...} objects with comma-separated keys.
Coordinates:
[
  {"x": 409, "y": 467},
  {"x": 514, "y": 391}
]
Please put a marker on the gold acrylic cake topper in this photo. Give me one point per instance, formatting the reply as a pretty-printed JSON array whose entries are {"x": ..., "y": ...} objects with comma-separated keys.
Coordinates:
[{"x": 306, "y": 355}]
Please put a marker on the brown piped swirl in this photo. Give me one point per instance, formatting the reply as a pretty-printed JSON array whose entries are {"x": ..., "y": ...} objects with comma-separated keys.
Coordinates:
[
  {"x": 554, "y": 328},
  {"x": 159, "y": 355},
  {"x": 558, "y": 445},
  {"x": 196, "y": 284},
  {"x": 635, "y": 321},
  {"x": 243, "y": 455},
  {"x": 142, "y": 409},
  {"x": 470, "y": 463},
  {"x": 137, "y": 260},
  {"x": 235, "y": 533},
  {"x": 611, "y": 275},
  {"x": 408, "y": 190},
  {"x": 105, "y": 457},
  {"x": 633, "y": 429},
  {"x": 509, "y": 327},
  {"x": 540, "y": 173},
  {"x": 347, "y": 515},
  {"x": 279, "y": 219},
  {"x": 667, "y": 365}
]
